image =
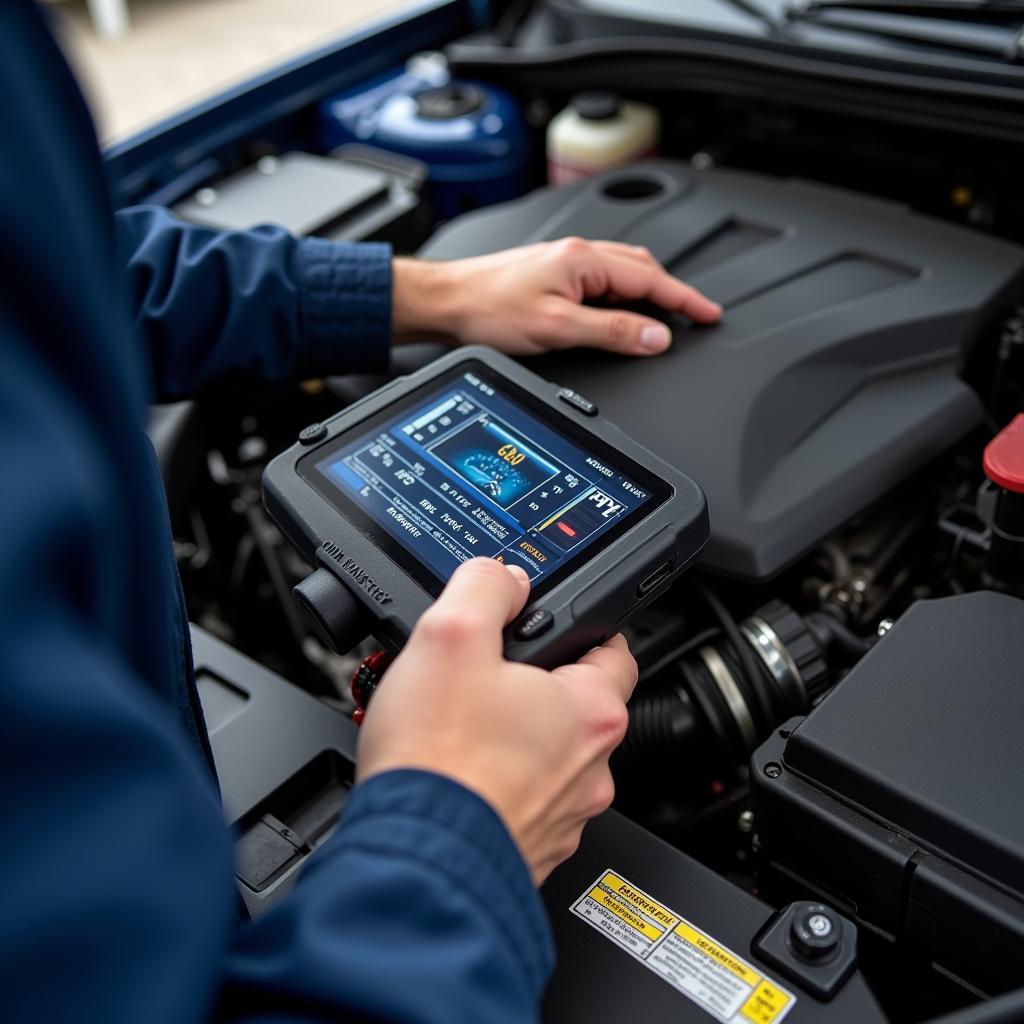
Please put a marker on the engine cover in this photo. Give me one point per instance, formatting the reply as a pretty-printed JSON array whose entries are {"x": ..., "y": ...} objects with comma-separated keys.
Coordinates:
[{"x": 836, "y": 369}]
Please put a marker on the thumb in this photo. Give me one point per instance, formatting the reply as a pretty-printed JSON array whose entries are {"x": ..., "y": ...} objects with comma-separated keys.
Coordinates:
[{"x": 481, "y": 598}]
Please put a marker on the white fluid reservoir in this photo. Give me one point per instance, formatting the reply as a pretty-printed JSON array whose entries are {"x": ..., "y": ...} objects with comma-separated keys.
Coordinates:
[{"x": 599, "y": 131}]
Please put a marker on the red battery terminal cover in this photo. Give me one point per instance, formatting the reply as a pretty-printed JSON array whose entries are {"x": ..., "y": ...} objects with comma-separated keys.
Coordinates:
[
  {"x": 1004, "y": 457},
  {"x": 365, "y": 680}
]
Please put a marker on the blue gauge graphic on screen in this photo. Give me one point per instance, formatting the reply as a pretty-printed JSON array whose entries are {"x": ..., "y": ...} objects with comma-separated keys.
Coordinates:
[
  {"x": 492, "y": 474},
  {"x": 495, "y": 461}
]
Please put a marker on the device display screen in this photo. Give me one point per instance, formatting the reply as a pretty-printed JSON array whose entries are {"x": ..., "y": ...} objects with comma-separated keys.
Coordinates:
[{"x": 472, "y": 465}]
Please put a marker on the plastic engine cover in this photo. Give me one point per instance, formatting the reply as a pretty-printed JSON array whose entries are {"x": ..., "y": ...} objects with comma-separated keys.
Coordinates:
[{"x": 835, "y": 371}]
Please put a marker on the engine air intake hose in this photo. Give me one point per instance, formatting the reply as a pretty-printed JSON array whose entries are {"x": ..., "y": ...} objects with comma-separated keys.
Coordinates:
[{"x": 720, "y": 700}]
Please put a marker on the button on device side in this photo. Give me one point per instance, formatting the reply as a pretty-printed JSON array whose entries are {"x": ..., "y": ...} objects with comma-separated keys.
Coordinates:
[
  {"x": 534, "y": 624},
  {"x": 312, "y": 434},
  {"x": 578, "y": 402},
  {"x": 654, "y": 579}
]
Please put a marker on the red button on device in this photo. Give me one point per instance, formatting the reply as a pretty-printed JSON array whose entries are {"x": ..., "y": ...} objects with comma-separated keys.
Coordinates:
[{"x": 1004, "y": 457}]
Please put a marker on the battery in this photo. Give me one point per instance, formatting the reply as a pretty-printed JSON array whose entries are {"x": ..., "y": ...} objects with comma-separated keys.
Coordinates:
[{"x": 645, "y": 932}]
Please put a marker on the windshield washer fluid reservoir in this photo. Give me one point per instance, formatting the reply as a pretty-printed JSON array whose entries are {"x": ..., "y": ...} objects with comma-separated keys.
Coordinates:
[{"x": 596, "y": 132}]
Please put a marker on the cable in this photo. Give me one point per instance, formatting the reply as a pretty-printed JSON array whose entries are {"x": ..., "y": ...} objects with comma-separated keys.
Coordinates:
[{"x": 836, "y": 635}]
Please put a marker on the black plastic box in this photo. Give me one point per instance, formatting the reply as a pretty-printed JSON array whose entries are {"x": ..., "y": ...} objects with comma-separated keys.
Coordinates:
[{"x": 902, "y": 795}]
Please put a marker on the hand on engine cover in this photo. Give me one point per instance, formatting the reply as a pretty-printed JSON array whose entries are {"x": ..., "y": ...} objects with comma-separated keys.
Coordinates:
[
  {"x": 529, "y": 300},
  {"x": 534, "y": 744}
]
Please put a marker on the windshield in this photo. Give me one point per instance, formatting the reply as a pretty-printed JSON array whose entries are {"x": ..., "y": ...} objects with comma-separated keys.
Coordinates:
[{"x": 990, "y": 30}]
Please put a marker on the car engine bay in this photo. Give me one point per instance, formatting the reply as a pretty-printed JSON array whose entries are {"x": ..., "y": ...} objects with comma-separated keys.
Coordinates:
[{"x": 829, "y": 706}]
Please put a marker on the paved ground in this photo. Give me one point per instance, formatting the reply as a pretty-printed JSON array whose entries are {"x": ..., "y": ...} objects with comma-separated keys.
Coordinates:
[{"x": 178, "y": 51}]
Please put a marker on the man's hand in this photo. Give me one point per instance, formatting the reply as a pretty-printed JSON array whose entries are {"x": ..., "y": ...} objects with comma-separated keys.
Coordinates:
[
  {"x": 529, "y": 300},
  {"x": 534, "y": 744}
]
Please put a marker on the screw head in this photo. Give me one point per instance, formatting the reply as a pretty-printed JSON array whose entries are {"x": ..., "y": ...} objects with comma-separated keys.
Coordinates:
[
  {"x": 819, "y": 924},
  {"x": 815, "y": 933},
  {"x": 773, "y": 770}
]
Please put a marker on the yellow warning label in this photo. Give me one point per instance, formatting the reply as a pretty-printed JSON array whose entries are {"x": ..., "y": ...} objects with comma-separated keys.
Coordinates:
[
  {"x": 626, "y": 892},
  {"x": 642, "y": 926},
  {"x": 703, "y": 970},
  {"x": 724, "y": 957},
  {"x": 766, "y": 1005}
]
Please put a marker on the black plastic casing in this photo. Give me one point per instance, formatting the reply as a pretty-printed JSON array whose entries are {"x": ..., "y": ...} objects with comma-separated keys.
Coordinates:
[
  {"x": 900, "y": 794},
  {"x": 836, "y": 371},
  {"x": 587, "y": 607}
]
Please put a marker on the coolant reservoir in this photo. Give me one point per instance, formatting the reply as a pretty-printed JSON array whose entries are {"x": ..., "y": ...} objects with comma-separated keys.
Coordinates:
[{"x": 596, "y": 132}]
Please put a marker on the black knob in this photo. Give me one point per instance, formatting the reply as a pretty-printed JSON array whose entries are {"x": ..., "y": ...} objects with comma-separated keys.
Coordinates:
[
  {"x": 332, "y": 610},
  {"x": 815, "y": 933}
]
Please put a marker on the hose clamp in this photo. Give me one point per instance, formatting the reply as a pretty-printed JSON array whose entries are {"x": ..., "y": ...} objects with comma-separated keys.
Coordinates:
[
  {"x": 775, "y": 655},
  {"x": 730, "y": 691}
]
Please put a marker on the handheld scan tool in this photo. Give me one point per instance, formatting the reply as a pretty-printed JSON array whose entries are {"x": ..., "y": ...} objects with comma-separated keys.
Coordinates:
[{"x": 475, "y": 455}]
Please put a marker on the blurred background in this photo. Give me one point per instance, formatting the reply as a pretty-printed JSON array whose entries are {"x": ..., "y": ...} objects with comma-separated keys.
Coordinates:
[{"x": 141, "y": 60}]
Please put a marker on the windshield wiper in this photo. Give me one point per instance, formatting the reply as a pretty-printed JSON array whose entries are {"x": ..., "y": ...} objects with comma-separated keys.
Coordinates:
[
  {"x": 769, "y": 17},
  {"x": 936, "y": 8},
  {"x": 949, "y": 24}
]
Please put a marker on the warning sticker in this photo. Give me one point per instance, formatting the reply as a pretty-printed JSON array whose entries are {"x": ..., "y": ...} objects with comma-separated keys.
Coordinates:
[{"x": 713, "y": 977}]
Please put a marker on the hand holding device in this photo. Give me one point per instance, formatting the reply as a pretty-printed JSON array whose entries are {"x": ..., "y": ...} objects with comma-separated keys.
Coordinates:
[{"x": 534, "y": 744}]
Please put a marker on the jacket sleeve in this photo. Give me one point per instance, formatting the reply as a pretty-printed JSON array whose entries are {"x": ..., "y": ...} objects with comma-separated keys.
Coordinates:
[
  {"x": 117, "y": 894},
  {"x": 419, "y": 910},
  {"x": 115, "y": 888},
  {"x": 259, "y": 303}
]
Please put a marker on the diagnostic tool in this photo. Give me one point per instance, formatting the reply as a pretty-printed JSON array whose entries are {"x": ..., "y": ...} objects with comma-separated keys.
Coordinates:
[{"x": 476, "y": 456}]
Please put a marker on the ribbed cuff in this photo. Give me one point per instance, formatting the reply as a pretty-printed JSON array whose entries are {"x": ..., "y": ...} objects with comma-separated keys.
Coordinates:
[
  {"x": 448, "y": 827},
  {"x": 344, "y": 307}
]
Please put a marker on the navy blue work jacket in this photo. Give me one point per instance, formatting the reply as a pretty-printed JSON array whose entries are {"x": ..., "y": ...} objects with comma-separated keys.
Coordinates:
[{"x": 117, "y": 898}]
